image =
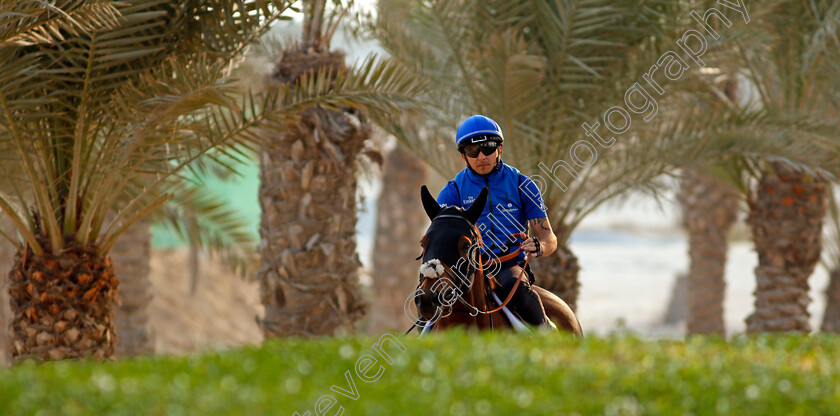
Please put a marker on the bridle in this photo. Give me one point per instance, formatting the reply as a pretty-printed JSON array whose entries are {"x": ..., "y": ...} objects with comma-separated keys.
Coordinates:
[
  {"x": 470, "y": 269},
  {"x": 472, "y": 310}
]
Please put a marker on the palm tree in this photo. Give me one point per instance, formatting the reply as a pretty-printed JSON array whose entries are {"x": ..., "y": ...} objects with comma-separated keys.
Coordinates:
[
  {"x": 831, "y": 316},
  {"x": 786, "y": 218},
  {"x": 788, "y": 57},
  {"x": 399, "y": 222},
  {"x": 131, "y": 254},
  {"x": 804, "y": 149},
  {"x": 803, "y": 144},
  {"x": 831, "y": 261},
  {"x": 710, "y": 208},
  {"x": 308, "y": 263},
  {"x": 104, "y": 103},
  {"x": 677, "y": 309},
  {"x": 795, "y": 70},
  {"x": 6, "y": 256},
  {"x": 785, "y": 56}
]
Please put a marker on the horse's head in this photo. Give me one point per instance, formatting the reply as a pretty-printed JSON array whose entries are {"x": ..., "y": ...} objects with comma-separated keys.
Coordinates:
[{"x": 446, "y": 272}]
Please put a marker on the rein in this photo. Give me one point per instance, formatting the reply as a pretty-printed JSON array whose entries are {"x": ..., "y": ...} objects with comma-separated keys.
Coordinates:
[
  {"x": 474, "y": 311},
  {"x": 506, "y": 301}
]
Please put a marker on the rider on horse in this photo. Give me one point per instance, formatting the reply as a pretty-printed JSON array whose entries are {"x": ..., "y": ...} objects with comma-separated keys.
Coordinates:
[{"x": 515, "y": 203}]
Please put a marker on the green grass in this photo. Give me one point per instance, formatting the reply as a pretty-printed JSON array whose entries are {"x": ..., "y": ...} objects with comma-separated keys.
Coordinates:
[{"x": 451, "y": 374}]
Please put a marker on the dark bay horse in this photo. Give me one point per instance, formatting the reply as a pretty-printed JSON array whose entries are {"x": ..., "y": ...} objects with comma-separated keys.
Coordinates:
[{"x": 453, "y": 286}]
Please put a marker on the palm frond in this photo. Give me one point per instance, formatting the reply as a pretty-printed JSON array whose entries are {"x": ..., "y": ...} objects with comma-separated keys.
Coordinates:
[
  {"x": 29, "y": 22},
  {"x": 105, "y": 93}
]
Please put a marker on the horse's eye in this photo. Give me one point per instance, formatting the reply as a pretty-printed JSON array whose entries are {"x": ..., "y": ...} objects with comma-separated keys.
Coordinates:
[
  {"x": 464, "y": 245},
  {"x": 424, "y": 241}
]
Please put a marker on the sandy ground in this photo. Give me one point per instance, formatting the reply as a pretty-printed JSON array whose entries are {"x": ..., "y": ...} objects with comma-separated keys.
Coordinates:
[{"x": 221, "y": 313}]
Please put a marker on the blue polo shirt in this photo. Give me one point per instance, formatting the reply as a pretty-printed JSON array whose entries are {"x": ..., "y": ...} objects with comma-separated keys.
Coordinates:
[{"x": 513, "y": 200}]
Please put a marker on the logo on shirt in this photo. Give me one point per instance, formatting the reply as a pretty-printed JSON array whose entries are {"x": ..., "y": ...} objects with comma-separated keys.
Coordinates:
[
  {"x": 509, "y": 208},
  {"x": 469, "y": 200}
]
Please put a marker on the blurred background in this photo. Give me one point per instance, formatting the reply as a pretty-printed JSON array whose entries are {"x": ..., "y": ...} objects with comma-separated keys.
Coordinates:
[{"x": 666, "y": 234}]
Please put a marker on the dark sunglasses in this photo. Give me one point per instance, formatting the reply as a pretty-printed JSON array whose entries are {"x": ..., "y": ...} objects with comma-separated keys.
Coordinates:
[{"x": 486, "y": 148}]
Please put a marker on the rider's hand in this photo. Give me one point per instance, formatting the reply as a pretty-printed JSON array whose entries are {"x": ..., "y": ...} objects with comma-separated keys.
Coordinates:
[{"x": 531, "y": 245}]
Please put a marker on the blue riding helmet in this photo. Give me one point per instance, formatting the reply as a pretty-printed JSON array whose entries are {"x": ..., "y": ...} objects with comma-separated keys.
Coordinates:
[{"x": 478, "y": 129}]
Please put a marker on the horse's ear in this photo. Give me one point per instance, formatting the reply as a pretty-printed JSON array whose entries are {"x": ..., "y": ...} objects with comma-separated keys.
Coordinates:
[
  {"x": 429, "y": 204},
  {"x": 477, "y": 207}
]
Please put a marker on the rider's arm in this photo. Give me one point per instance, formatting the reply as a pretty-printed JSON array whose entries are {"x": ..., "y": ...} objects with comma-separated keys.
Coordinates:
[
  {"x": 535, "y": 210},
  {"x": 541, "y": 228}
]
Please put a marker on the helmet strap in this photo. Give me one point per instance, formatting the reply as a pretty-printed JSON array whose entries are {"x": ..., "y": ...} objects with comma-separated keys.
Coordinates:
[{"x": 463, "y": 156}]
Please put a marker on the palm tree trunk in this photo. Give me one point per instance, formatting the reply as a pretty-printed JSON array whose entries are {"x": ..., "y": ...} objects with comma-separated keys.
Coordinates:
[
  {"x": 7, "y": 253},
  {"x": 195, "y": 268},
  {"x": 558, "y": 273},
  {"x": 831, "y": 319},
  {"x": 309, "y": 266},
  {"x": 400, "y": 222},
  {"x": 786, "y": 219},
  {"x": 677, "y": 310},
  {"x": 710, "y": 208},
  {"x": 62, "y": 305},
  {"x": 131, "y": 255}
]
